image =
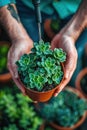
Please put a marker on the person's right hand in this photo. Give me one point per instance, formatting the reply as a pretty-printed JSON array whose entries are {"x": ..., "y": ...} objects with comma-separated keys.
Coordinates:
[
  {"x": 17, "y": 49},
  {"x": 66, "y": 42}
]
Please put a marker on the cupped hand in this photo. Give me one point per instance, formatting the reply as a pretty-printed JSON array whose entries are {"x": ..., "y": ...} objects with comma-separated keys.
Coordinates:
[
  {"x": 67, "y": 44},
  {"x": 17, "y": 49}
]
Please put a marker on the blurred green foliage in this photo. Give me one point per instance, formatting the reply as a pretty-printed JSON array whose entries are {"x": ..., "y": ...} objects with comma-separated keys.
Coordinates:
[
  {"x": 65, "y": 109},
  {"x": 17, "y": 111},
  {"x": 55, "y": 25},
  {"x": 3, "y": 58}
]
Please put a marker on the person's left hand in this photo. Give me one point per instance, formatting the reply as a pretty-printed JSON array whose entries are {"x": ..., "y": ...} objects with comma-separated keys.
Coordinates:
[
  {"x": 67, "y": 44},
  {"x": 17, "y": 49}
]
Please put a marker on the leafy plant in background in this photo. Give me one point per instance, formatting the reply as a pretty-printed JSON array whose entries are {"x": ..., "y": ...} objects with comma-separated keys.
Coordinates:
[
  {"x": 3, "y": 58},
  {"x": 55, "y": 25},
  {"x": 41, "y": 70},
  {"x": 17, "y": 112},
  {"x": 11, "y": 127},
  {"x": 65, "y": 110}
]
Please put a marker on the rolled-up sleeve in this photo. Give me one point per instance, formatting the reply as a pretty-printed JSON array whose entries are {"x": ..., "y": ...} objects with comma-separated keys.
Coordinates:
[{"x": 5, "y": 2}]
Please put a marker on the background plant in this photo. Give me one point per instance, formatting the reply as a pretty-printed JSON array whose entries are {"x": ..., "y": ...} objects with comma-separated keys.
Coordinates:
[
  {"x": 55, "y": 25},
  {"x": 42, "y": 67},
  {"x": 3, "y": 58},
  {"x": 17, "y": 112},
  {"x": 65, "y": 110}
]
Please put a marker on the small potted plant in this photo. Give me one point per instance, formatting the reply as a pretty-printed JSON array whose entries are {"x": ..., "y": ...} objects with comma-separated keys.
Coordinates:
[
  {"x": 67, "y": 111},
  {"x": 4, "y": 73},
  {"x": 41, "y": 71},
  {"x": 81, "y": 81}
]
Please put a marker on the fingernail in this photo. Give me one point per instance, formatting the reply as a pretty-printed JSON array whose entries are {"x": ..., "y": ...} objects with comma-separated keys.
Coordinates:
[
  {"x": 66, "y": 75},
  {"x": 35, "y": 102},
  {"x": 55, "y": 94},
  {"x": 16, "y": 75}
]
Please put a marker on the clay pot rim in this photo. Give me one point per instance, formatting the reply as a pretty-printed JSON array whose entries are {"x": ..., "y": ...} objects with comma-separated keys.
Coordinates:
[
  {"x": 6, "y": 76},
  {"x": 82, "y": 119},
  {"x": 42, "y": 126},
  {"x": 48, "y": 29},
  {"x": 81, "y": 74},
  {"x": 57, "y": 87}
]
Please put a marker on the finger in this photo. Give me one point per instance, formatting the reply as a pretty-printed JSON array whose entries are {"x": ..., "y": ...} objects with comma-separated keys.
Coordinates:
[
  {"x": 63, "y": 84},
  {"x": 20, "y": 85},
  {"x": 13, "y": 70},
  {"x": 70, "y": 64},
  {"x": 12, "y": 58},
  {"x": 54, "y": 42},
  {"x": 57, "y": 91},
  {"x": 35, "y": 102}
]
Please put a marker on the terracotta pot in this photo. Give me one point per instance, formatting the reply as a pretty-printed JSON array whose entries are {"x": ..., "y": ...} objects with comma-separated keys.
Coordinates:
[
  {"x": 6, "y": 76},
  {"x": 82, "y": 73},
  {"x": 48, "y": 29},
  {"x": 57, "y": 127},
  {"x": 41, "y": 96},
  {"x": 44, "y": 125}
]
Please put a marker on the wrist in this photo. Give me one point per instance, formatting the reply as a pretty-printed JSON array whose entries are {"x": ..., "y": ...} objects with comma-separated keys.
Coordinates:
[
  {"x": 78, "y": 22},
  {"x": 25, "y": 41},
  {"x": 75, "y": 27},
  {"x": 22, "y": 44}
]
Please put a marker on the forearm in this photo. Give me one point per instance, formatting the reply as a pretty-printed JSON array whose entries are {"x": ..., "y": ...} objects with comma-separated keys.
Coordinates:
[
  {"x": 78, "y": 23},
  {"x": 11, "y": 23}
]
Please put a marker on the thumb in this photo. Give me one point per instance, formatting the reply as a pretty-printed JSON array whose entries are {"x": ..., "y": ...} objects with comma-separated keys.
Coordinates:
[
  {"x": 13, "y": 69},
  {"x": 70, "y": 66},
  {"x": 15, "y": 72},
  {"x": 67, "y": 74},
  {"x": 20, "y": 85}
]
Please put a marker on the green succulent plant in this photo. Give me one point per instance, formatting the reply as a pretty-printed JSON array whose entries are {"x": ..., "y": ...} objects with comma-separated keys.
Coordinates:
[
  {"x": 17, "y": 112},
  {"x": 4, "y": 50},
  {"x": 3, "y": 58},
  {"x": 11, "y": 127},
  {"x": 42, "y": 67},
  {"x": 65, "y": 109}
]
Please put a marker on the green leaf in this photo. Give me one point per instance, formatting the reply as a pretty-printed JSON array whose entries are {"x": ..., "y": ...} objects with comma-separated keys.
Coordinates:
[
  {"x": 59, "y": 54},
  {"x": 37, "y": 80},
  {"x": 42, "y": 48},
  {"x": 23, "y": 63}
]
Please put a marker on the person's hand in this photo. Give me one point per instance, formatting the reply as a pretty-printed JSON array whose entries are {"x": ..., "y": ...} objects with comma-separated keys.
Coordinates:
[
  {"x": 17, "y": 49},
  {"x": 67, "y": 44}
]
